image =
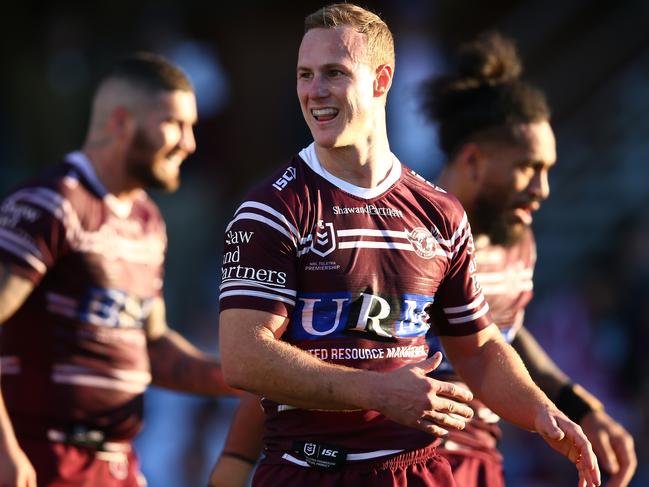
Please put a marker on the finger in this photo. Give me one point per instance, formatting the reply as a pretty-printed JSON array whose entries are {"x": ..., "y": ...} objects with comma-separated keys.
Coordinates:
[
  {"x": 430, "y": 364},
  {"x": 453, "y": 391},
  {"x": 604, "y": 451},
  {"x": 462, "y": 411},
  {"x": 430, "y": 427},
  {"x": 445, "y": 420},
  {"x": 627, "y": 460}
]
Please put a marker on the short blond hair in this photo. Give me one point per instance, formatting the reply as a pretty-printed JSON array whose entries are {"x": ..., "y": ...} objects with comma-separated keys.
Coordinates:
[{"x": 380, "y": 44}]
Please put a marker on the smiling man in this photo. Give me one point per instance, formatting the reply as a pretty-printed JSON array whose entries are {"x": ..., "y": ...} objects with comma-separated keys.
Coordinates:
[
  {"x": 335, "y": 341},
  {"x": 81, "y": 262},
  {"x": 495, "y": 129}
]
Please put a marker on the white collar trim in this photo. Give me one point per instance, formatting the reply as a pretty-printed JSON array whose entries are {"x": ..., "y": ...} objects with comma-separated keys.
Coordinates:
[{"x": 309, "y": 156}]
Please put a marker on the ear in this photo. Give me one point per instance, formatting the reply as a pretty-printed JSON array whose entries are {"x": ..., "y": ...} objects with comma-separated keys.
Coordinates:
[
  {"x": 121, "y": 122},
  {"x": 471, "y": 161},
  {"x": 383, "y": 80}
]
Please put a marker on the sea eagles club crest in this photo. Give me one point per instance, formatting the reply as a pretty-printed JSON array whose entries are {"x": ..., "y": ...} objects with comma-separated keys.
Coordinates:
[
  {"x": 423, "y": 242},
  {"x": 324, "y": 241}
]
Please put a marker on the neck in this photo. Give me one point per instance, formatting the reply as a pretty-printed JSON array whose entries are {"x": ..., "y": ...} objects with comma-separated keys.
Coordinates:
[
  {"x": 365, "y": 165},
  {"x": 455, "y": 183},
  {"x": 111, "y": 174}
]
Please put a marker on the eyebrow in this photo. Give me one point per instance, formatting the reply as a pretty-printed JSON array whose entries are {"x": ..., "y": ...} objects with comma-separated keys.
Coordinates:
[{"x": 324, "y": 67}]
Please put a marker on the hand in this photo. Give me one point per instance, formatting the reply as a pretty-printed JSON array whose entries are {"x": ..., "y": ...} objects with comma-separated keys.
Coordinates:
[
  {"x": 613, "y": 446},
  {"x": 15, "y": 469},
  {"x": 230, "y": 472},
  {"x": 568, "y": 439},
  {"x": 408, "y": 397}
]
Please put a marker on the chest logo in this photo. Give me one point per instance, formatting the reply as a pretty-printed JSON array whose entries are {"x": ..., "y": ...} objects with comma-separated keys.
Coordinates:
[
  {"x": 423, "y": 242},
  {"x": 324, "y": 241}
]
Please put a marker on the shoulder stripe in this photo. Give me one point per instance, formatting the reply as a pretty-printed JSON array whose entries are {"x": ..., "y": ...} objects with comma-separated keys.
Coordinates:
[
  {"x": 268, "y": 209},
  {"x": 460, "y": 309},
  {"x": 23, "y": 253},
  {"x": 244, "y": 283},
  {"x": 262, "y": 219},
  {"x": 258, "y": 294},
  {"x": 471, "y": 317}
]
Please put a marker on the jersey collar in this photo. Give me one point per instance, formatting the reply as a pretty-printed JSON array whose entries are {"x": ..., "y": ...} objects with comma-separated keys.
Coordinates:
[{"x": 310, "y": 157}]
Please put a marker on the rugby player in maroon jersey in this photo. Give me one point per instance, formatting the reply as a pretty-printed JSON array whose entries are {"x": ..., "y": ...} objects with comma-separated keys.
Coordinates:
[
  {"x": 81, "y": 270},
  {"x": 494, "y": 127},
  {"x": 332, "y": 270}
]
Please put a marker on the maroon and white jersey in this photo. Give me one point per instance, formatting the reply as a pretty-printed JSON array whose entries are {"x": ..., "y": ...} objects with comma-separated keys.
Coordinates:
[
  {"x": 505, "y": 275},
  {"x": 360, "y": 273},
  {"x": 75, "y": 351}
]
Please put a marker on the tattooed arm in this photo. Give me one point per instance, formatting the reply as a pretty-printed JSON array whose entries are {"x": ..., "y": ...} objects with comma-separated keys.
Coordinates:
[{"x": 177, "y": 364}]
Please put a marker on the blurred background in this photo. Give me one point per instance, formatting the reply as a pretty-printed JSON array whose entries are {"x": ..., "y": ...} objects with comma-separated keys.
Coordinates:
[{"x": 591, "y": 306}]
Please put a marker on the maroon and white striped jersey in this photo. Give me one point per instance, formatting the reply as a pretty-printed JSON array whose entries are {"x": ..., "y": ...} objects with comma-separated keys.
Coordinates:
[
  {"x": 505, "y": 275},
  {"x": 363, "y": 274},
  {"x": 75, "y": 351}
]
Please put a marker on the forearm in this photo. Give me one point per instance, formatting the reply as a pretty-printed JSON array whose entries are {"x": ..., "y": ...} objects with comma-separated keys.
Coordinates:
[
  {"x": 8, "y": 439},
  {"x": 498, "y": 377},
  {"x": 255, "y": 360},
  {"x": 571, "y": 398},
  {"x": 545, "y": 373},
  {"x": 246, "y": 430},
  {"x": 177, "y": 364}
]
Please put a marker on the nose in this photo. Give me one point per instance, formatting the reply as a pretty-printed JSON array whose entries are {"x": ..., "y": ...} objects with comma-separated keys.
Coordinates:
[
  {"x": 318, "y": 87},
  {"x": 187, "y": 139},
  {"x": 540, "y": 185}
]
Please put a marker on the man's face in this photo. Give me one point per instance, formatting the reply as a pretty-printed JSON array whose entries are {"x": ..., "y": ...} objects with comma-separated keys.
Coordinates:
[
  {"x": 335, "y": 86},
  {"x": 163, "y": 139},
  {"x": 515, "y": 183}
]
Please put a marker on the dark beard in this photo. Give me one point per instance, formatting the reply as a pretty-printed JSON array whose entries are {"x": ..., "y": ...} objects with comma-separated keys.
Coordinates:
[
  {"x": 140, "y": 164},
  {"x": 488, "y": 219}
]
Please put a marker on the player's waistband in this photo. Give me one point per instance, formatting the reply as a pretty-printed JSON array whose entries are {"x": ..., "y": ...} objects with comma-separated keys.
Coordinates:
[
  {"x": 74, "y": 434},
  {"x": 328, "y": 457}
]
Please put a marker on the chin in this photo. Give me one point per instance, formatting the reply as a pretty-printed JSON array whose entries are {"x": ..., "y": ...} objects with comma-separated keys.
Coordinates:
[{"x": 508, "y": 234}]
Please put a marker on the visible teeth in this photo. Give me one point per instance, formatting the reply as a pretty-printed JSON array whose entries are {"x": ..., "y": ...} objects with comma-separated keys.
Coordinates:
[{"x": 323, "y": 112}]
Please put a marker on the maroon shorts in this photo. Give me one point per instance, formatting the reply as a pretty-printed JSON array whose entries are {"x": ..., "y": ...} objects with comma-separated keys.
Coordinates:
[
  {"x": 417, "y": 468},
  {"x": 475, "y": 468},
  {"x": 61, "y": 465}
]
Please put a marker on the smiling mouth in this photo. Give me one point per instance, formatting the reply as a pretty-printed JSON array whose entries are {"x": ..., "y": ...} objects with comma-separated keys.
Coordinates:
[{"x": 324, "y": 114}]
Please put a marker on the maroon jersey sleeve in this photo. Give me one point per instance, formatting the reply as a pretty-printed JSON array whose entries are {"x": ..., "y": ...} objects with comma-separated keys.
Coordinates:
[
  {"x": 460, "y": 307},
  {"x": 259, "y": 260},
  {"x": 32, "y": 232}
]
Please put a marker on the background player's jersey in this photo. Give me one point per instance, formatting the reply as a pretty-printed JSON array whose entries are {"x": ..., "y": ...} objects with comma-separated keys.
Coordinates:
[
  {"x": 75, "y": 352},
  {"x": 359, "y": 272},
  {"x": 505, "y": 275}
]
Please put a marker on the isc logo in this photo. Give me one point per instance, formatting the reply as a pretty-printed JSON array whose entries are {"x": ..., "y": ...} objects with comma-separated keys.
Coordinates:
[
  {"x": 338, "y": 314},
  {"x": 287, "y": 177}
]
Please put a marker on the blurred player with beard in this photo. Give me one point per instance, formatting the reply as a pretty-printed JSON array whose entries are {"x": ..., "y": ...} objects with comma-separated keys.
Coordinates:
[
  {"x": 494, "y": 128},
  {"x": 81, "y": 270},
  {"x": 332, "y": 269}
]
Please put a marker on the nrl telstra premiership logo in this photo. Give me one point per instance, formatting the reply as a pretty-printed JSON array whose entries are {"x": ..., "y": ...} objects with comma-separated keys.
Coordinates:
[
  {"x": 423, "y": 242},
  {"x": 324, "y": 241}
]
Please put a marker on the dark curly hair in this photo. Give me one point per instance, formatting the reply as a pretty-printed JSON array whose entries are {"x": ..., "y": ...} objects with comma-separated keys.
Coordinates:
[{"x": 486, "y": 92}]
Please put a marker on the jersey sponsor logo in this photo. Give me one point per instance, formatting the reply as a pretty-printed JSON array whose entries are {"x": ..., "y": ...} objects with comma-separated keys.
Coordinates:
[
  {"x": 104, "y": 307},
  {"x": 235, "y": 238},
  {"x": 11, "y": 213},
  {"x": 367, "y": 210},
  {"x": 267, "y": 276},
  {"x": 341, "y": 314},
  {"x": 423, "y": 242},
  {"x": 238, "y": 237},
  {"x": 287, "y": 177},
  {"x": 324, "y": 241}
]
